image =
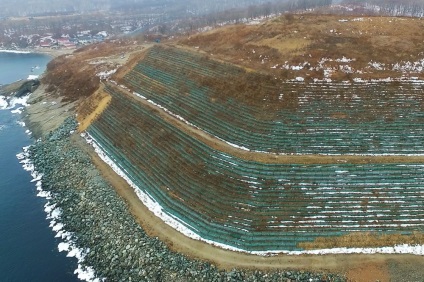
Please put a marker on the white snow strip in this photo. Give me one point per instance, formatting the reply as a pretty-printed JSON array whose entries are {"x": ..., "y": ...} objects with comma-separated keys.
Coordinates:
[
  {"x": 181, "y": 226},
  {"x": 106, "y": 74}
]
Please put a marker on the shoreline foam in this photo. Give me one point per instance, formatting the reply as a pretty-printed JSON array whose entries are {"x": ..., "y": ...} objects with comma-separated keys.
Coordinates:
[
  {"x": 53, "y": 214},
  {"x": 15, "y": 51}
]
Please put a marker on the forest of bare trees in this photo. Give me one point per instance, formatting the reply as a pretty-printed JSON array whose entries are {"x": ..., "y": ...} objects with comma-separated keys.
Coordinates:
[
  {"x": 12, "y": 8},
  {"x": 409, "y": 8}
]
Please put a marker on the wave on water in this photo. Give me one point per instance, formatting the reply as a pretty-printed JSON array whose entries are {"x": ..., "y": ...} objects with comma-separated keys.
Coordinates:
[
  {"x": 3, "y": 103},
  {"x": 11, "y": 103},
  {"x": 16, "y": 106},
  {"x": 32, "y": 76},
  {"x": 14, "y": 51},
  {"x": 54, "y": 215}
]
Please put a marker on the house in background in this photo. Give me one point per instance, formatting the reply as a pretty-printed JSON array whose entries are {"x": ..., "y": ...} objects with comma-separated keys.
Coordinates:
[
  {"x": 47, "y": 42},
  {"x": 65, "y": 42}
]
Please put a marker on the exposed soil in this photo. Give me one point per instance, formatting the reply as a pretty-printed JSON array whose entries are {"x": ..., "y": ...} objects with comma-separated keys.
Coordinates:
[
  {"x": 373, "y": 271},
  {"x": 91, "y": 108}
]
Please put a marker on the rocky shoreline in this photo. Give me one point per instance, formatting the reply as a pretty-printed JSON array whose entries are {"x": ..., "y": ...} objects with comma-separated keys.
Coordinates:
[{"x": 97, "y": 220}]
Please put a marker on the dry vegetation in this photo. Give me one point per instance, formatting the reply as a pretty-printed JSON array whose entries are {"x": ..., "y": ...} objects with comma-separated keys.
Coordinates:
[
  {"x": 309, "y": 38},
  {"x": 364, "y": 240},
  {"x": 70, "y": 78},
  {"x": 74, "y": 76}
]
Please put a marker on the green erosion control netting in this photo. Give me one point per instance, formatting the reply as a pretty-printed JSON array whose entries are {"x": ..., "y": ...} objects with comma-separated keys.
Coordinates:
[
  {"x": 250, "y": 205},
  {"x": 282, "y": 117}
]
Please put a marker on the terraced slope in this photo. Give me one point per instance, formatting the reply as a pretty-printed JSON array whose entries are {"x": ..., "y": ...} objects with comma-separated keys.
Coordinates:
[
  {"x": 262, "y": 113},
  {"x": 250, "y": 205}
]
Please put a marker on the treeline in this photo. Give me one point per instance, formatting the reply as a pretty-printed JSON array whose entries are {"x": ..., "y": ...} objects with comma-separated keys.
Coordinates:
[
  {"x": 243, "y": 14},
  {"x": 410, "y": 8},
  {"x": 174, "y": 8},
  {"x": 10, "y": 8},
  {"x": 308, "y": 4}
]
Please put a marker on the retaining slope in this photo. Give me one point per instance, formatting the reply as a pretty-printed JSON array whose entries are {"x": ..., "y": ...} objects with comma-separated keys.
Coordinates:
[
  {"x": 261, "y": 113},
  {"x": 254, "y": 206}
]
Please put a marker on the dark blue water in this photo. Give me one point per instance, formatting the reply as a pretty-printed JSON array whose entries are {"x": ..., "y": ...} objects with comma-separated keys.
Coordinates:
[
  {"x": 28, "y": 249},
  {"x": 18, "y": 66}
]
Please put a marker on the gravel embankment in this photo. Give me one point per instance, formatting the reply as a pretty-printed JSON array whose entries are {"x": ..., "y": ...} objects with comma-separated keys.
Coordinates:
[{"x": 99, "y": 219}]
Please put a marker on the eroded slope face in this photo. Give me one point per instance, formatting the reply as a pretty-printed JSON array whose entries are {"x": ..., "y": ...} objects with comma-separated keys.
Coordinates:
[{"x": 322, "y": 47}]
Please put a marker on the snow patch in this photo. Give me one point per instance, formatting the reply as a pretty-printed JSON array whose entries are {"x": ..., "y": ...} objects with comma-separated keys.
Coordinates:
[
  {"x": 106, "y": 74},
  {"x": 32, "y": 77}
]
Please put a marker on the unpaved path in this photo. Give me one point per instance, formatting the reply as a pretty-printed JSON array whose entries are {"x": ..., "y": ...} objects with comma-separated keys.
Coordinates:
[
  {"x": 222, "y": 146},
  {"x": 357, "y": 267}
]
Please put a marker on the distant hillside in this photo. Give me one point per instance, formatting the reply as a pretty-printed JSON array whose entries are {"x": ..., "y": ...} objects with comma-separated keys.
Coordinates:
[
  {"x": 414, "y": 8},
  {"x": 43, "y": 7}
]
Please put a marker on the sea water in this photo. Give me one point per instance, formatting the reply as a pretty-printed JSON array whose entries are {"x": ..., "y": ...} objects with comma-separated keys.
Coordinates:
[{"x": 28, "y": 247}]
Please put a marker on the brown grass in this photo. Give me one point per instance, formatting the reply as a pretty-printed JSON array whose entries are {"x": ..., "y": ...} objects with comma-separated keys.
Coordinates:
[
  {"x": 73, "y": 77},
  {"x": 364, "y": 240},
  {"x": 70, "y": 77},
  {"x": 309, "y": 37}
]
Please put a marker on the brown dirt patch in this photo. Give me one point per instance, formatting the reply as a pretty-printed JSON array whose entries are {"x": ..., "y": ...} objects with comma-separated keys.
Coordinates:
[
  {"x": 133, "y": 59},
  {"x": 74, "y": 75},
  {"x": 91, "y": 108},
  {"x": 372, "y": 272}
]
